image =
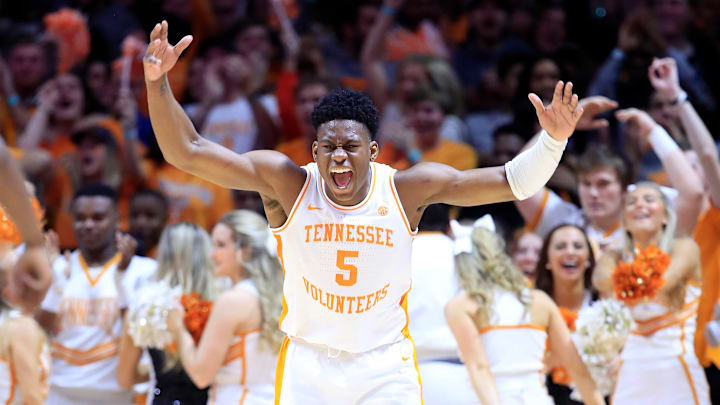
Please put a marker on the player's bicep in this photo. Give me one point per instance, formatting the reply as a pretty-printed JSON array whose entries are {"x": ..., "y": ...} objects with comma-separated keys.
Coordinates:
[
  {"x": 431, "y": 183},
  {"x": 252, "y": 171},
  {"x": 470, "y": 187}
]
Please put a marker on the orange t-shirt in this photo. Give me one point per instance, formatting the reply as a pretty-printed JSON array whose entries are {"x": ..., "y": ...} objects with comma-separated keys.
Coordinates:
[
  {"x": 190, "y": 198},
  {"x": 457, "y": 155},
  {"x": 426, "y": 40},
  {"x": 707, "y": 236},
  {"x": 299, "y": 152}
]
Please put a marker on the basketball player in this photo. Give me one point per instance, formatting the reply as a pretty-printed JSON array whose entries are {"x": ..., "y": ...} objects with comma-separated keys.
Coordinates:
[
  {"x": 82, "y": 310},
  {"x": 344, "y": 227},
  {"x": 32, "y": 275}
]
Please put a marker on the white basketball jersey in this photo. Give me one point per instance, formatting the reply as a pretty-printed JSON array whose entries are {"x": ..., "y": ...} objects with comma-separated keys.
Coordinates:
[
  {"x": 347, "y": 269},
  {"x": 248, "y": 371},
  {"x": 87, "y": 303},
  {"x": 9, "y": 388}
]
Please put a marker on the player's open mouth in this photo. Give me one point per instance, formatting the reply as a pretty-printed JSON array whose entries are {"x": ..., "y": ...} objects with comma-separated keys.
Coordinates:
[{"x": 342, "y": 176}]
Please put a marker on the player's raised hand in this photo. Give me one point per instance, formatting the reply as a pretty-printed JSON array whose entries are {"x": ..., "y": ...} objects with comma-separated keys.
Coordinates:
[
  {"x": 562, "y": 115},
  {"x": 160, "y": 56}
]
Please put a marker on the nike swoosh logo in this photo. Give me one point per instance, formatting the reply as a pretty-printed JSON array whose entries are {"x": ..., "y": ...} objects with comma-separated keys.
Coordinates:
[
  {"x": 405, "y": 358},
  {"x": 311, "y": 208}
]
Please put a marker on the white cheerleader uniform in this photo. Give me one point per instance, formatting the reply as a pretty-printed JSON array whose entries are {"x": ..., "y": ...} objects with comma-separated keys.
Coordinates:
[
  {"x": 347, "y": 276},
  {"x": 247, "y": 376},
  {"x": 658, "y": 363},
  {"x": 9, "y": 389},
  {"x": 515, "y": 349},
  {"x": 87, "y": 302}
]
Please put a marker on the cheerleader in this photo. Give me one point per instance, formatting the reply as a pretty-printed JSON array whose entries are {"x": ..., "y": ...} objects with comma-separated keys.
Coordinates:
[
  {"x": 564, "y": 273},
  {"x": 183, "y": 260},
  {"x": 502, "y": 328},
  {"x": 238, "y": 348},
  {"x": 665, "y": 324},
  {"x": 24, "y": 354}
]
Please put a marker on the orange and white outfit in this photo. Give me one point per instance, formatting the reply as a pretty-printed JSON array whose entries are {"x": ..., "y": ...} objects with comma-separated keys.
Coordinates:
[
  {"x": 347, "y": 275},
  {"x": 515, "y": 348},
  {"x": 247, "y": 376},
  {"x": 85, "y": 347},
  {"x": 659, "y": 365},
  {"x": 9, "y": 388}
]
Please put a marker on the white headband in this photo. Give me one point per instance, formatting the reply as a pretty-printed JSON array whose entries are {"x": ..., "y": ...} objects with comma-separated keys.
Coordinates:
[{"x": 463, "y": 233}]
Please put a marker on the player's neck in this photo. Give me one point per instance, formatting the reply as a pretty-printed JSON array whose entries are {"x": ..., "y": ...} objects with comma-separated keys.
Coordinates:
[
  {"x": 569, "y": 294},
  {"x": 99, "y": 257}
]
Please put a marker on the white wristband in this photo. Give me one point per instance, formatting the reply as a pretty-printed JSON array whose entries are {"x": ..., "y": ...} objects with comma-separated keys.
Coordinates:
[
  {"x": 661, "y": 142},
  {"x": 528, "y": 172}
]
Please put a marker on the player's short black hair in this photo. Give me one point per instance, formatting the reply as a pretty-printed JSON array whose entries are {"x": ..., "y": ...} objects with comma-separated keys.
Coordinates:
[
  {"x": 347, "y": 104},
  {"x": 96, "y": 190}
]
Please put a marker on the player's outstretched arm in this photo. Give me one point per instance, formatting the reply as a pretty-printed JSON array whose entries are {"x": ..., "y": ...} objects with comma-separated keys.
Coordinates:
[
  {"x": 519, "y": 179},
  {"x": 184, "y": 148}
]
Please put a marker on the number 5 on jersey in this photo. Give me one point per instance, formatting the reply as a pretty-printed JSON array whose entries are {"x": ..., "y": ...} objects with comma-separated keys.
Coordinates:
[{"x": 348, "y": 275}]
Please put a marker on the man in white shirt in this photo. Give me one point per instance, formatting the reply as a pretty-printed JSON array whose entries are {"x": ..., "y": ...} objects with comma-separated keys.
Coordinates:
[{"x": 82, "y": 311}]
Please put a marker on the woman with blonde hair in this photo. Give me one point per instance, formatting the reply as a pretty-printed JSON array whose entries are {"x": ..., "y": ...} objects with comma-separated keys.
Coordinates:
[
  {"x": 502, "y": 328},
  {"x": 238, "y": 348},
  {"x": 665, "y": 323},
  {"x": 184, "y": 261}
]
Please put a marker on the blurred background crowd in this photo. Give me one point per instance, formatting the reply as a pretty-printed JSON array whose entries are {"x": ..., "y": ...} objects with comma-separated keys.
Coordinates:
[{"x": 449, "y": 78}]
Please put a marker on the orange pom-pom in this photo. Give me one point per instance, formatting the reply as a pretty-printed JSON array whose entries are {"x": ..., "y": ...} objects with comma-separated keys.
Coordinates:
[
  {"x": 197, "y": 312},
  {"x": 8, "y": 230},
  {"x": 569, "y": 317},
  {"x": 69, "y": 29},
  {"x": 560, "y": 376},
  {"x": 642, "y": 278}
]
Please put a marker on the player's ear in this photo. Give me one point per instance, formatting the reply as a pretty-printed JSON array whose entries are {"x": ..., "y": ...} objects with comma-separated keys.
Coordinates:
[
  {"x": 374, "y": 150},
  {"x": 314, "y": 150}
]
